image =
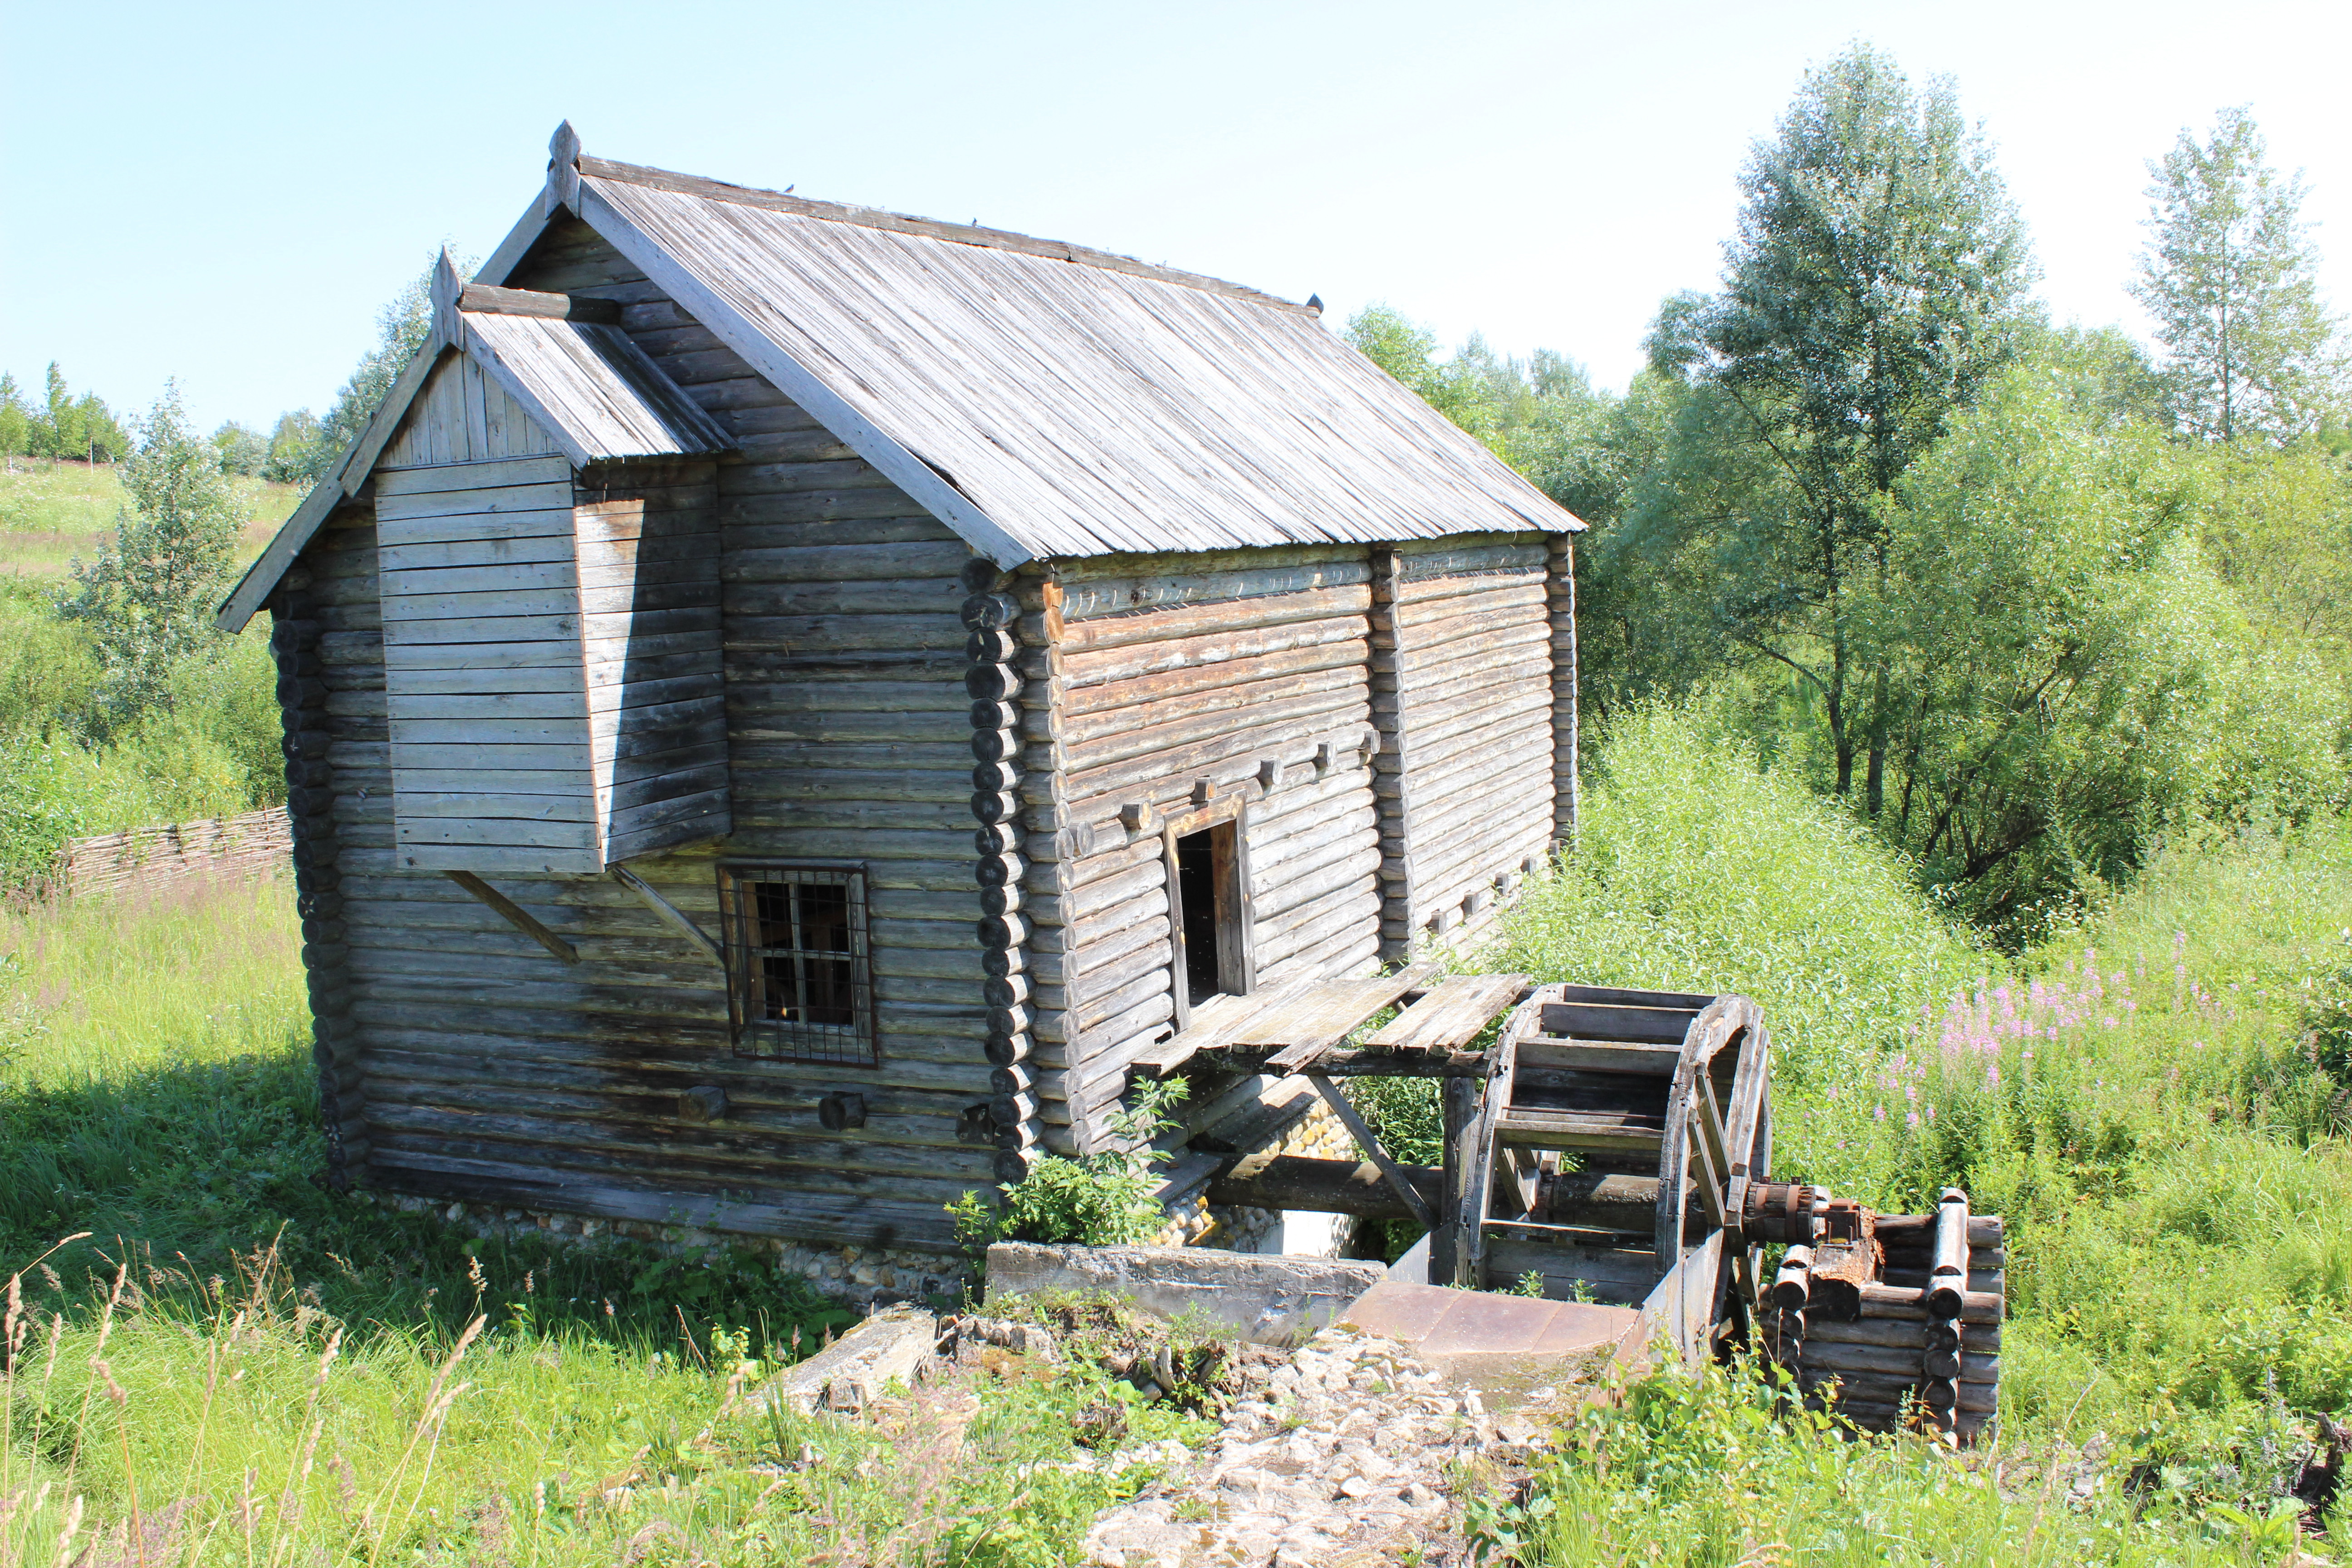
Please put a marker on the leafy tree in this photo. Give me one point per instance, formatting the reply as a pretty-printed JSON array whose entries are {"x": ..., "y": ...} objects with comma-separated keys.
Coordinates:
[
  {"x": 242, "y": 450},
  {"x": 294, "y": 442},
  {"x": 16, "y": 420},
  {"x": 1874, "y": 285},
  {"x": 69, "y": 427},
  {"x": 2073, "y": 677},
  {"x": 147, "y": 602},
  {"x": 401, "y": 326},
  {"x": 1409, "y": 353},
  {"x": 2279, "y": 526},
  {"x": 1531, "y": 413},
  {"x": 2230, "y": 277}
]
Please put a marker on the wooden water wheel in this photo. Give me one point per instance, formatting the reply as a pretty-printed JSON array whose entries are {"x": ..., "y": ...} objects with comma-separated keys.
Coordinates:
[
  {"x": 1617, "y": 1145},
  {"x": 1620, "y": 1150}
]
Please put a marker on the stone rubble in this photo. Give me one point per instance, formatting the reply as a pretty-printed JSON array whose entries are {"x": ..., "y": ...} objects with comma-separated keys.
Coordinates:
[{"x": 1347, "y": 1454}]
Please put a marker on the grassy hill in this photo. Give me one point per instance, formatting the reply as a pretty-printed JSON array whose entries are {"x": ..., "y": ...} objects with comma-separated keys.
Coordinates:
[
  {"x": 213, "y": 752},
  {"x": 52, "y": 511}
]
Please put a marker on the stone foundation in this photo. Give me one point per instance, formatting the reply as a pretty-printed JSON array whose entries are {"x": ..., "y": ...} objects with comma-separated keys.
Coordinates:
[
  {"x": 862, "y": 1276},
  {"x": 1319, "y": 1134},
  {"x": 874, "y": 1276}
]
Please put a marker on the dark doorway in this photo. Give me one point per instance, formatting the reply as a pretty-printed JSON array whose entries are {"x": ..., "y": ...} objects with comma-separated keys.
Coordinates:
[
  {"x": 1210, "y": 903},
  {"x": 1196, "y": 893}
]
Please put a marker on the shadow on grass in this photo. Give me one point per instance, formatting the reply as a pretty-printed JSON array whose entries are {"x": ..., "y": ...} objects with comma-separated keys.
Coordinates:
[{"x": 194, "y": 1169}]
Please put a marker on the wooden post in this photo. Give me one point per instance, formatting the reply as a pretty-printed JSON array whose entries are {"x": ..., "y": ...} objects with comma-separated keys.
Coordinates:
[
  {"x": 1458, "y": 1103},
  {"x": 522, "y": 919},
  {"x": 1561, "y": 602}
]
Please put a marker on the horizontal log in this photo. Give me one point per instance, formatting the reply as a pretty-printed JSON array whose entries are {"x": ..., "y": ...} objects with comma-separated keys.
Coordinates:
[
  {"x": 1323, "y": 1186},
  {"x": 1900, "y": 1361},
  {"x": 1162, "y": 584},
  {"x": 1896, "y": 1333},
  {"x": 1083, "y": 638},
  {"x": 1879, "y": 1301},
  {"x": 1110, "y": 678}
]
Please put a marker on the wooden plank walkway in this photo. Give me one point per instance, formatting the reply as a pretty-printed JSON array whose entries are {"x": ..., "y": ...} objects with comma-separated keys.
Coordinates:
[{"x": 1305, "y": 1028}]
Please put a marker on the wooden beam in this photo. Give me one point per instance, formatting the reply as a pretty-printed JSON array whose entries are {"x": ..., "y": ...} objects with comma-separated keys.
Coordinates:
[
  {"x": 1365, "y": 1140},
  {"x": 671, "y": 915},
  {"x": 1321, "y": 1186},
  {"x": 502, "y": 302},
  {"x": 517, "y": 916}
]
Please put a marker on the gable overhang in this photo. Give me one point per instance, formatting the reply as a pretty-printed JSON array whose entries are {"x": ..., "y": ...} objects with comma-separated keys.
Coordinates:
[
  {"x": 922, "y": 477},
  {"x": 599, "y": 360}
]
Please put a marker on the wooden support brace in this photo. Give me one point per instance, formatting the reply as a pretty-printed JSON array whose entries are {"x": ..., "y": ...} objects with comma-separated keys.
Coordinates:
[
  {"x": 517, "y": 916},
  {"x": 671, "y": 915},
  {"x": 1365, "y": 1140},
  {"x": 1716, "y": 1148}
]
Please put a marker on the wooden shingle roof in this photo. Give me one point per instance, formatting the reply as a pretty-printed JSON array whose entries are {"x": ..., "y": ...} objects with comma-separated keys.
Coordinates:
[
  {"x": 1083, "y": 404},
  {"x": 594, "y": 389},
  {"x": 1040, "y": 398}
]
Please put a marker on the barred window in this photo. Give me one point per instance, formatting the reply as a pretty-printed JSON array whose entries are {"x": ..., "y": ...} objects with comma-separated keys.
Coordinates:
[{"x": 800, "y": 971}]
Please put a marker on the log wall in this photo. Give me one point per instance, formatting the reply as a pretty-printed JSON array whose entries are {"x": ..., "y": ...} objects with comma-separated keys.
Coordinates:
[
  {"x": 998, "y": 751},
  {"x": 1472, "y": 623},
  {"x": 1160, "y": 686}
]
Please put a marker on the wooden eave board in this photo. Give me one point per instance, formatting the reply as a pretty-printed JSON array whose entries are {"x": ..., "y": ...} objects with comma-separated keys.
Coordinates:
[
  {"x": 1081, "y": 410},
  {"x": 593, "y": 387}
]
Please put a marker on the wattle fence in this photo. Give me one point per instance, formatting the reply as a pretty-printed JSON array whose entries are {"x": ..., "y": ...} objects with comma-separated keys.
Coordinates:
[{"x": 149, "y": 860}]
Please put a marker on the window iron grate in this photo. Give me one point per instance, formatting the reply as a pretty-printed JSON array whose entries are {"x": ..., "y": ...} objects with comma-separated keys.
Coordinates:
[{"x": 800, "y": 967}]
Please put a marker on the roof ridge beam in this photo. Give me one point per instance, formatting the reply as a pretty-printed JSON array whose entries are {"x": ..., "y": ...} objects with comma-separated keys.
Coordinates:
[
  {"x": 489, "y": 299},
  {"x": 928, "y": 228}
]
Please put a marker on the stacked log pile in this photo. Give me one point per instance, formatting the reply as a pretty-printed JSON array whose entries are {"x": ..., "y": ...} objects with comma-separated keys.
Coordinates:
[{"x": 1900, "y": 1327}]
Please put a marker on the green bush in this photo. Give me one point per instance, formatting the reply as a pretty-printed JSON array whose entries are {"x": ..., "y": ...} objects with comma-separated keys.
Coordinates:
[{"x": 1096, "y": 1200}]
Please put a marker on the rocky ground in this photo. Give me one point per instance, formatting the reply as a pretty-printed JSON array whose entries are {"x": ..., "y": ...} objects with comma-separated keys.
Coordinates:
[{"x": 1347, "y": 1453}]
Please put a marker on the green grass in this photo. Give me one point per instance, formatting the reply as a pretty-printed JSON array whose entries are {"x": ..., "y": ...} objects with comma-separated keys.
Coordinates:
[
  {"x": 215, "y": 751},
  {"x": 51, "y": 512},
  {"x": 2172, "y": 1159},
  {"x": 2145, "y": 1099},
  {"x": 260, "y": 1370}
]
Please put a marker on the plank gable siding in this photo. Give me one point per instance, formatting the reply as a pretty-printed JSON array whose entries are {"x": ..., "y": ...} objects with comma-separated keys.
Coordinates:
[
  {"x": 552, "y": 668},
  {"x": 492, "y": 1072}
]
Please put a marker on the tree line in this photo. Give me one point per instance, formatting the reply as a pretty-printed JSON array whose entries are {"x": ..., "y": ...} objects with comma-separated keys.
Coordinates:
[
  {"x": 60, "y": 425},
  {"x": 300, "y": 447},
  {"x": 2030, "y": 597}
]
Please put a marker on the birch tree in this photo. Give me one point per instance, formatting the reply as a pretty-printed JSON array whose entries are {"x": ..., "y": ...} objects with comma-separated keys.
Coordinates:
[{"x": 2229, "y": 278}]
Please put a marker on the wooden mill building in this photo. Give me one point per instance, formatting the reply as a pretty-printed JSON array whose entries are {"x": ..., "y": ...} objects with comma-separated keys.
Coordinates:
[{"x": 785, "y": 702}]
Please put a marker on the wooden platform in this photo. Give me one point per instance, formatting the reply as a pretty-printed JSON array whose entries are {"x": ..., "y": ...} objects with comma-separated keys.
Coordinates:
[{"x": 1306, "y": 1028}]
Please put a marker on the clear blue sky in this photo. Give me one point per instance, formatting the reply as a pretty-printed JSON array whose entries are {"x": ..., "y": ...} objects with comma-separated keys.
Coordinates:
[{"x": 228, "y": 193}]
